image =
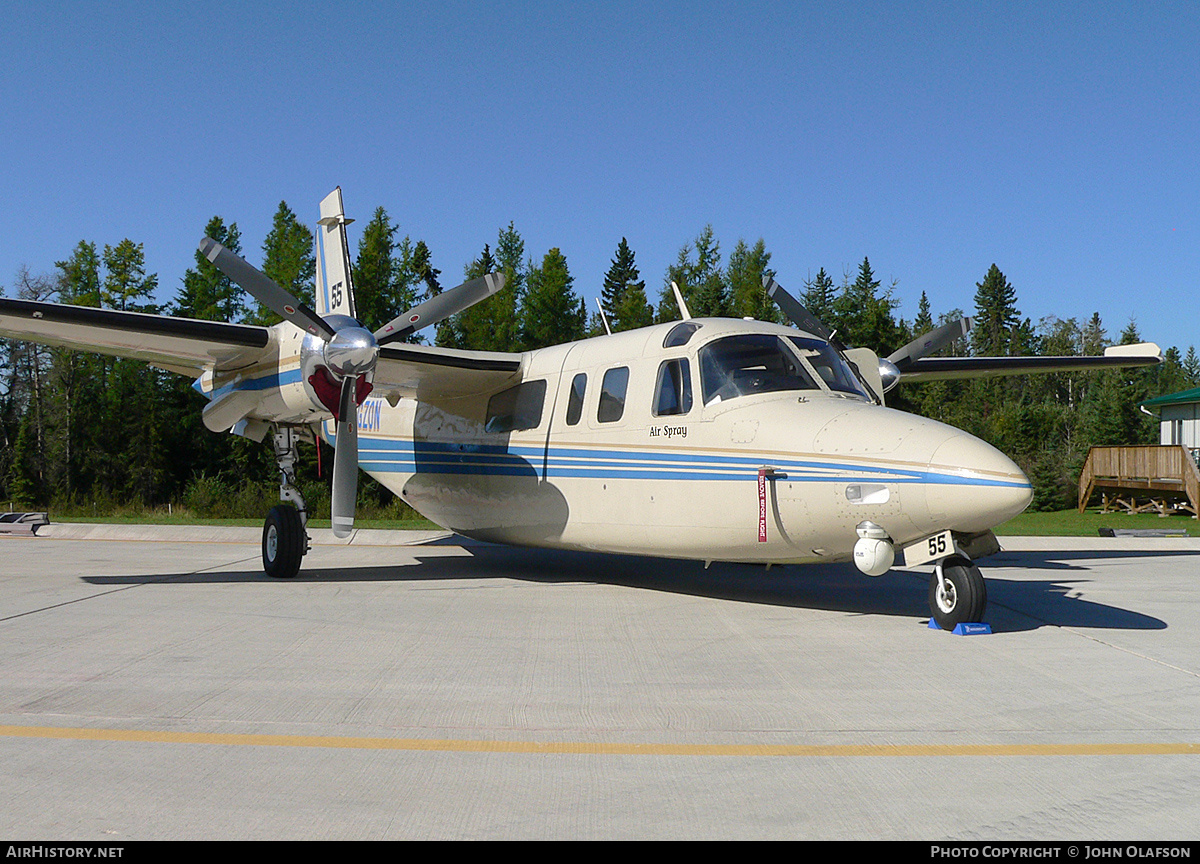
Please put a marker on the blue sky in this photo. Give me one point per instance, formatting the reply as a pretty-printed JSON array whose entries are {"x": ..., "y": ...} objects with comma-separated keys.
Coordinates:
[{"x": 1058, "y": 140}]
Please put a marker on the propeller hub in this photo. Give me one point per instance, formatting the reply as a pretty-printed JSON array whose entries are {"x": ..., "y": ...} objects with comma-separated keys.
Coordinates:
[
  {"x": 889, "y": 374},
  {"x": 351, "y": 351}
]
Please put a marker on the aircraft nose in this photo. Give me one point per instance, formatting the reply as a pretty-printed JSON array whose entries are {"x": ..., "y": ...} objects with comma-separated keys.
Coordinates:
[{"x": 973, "y": 486}]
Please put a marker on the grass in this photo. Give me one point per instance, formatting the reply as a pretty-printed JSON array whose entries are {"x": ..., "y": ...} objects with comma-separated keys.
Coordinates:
[{"x": 1072, "y": 523}]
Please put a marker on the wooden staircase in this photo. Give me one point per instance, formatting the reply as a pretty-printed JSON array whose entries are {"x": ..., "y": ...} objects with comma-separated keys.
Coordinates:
[{"x": 1162, "y": 474}]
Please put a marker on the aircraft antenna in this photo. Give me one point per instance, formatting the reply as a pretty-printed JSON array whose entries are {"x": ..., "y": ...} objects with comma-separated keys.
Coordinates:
[
  {"x": 679, "y": 299},
  {"x": 603, "y": 317}
]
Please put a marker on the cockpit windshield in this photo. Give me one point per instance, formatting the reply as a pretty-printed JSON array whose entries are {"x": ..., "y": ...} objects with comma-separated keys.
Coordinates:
[
  {"x": 754, "y": 363},
  {"x": 765, "y": 363},
  {"x": 829, "y": 365}
]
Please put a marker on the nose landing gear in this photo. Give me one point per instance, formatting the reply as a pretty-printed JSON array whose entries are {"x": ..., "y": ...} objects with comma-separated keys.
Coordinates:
[{"x": 957, "y": 593}]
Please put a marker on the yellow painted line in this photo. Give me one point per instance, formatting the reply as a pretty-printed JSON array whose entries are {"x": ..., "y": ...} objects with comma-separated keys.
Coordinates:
[{"x": 140, "y": 736}]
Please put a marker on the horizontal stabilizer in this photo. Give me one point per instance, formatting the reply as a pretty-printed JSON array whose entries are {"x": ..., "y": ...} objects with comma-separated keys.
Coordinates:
[{"x": 1141, "y": 349}]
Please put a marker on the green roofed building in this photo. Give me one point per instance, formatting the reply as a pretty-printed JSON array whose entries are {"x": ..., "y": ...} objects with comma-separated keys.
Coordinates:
[{"x": 1178, "y": 418}]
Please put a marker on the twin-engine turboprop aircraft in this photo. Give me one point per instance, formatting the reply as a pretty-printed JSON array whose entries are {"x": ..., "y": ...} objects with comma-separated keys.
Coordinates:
[{"x": 709, "y": 439}]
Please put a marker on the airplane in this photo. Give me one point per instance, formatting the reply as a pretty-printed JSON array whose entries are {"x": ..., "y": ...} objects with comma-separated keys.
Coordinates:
[{"x": 705, "y": 439}]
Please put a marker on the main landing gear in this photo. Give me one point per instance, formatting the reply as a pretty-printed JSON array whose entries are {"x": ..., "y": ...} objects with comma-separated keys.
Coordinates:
[
  {"x": 285, "y": 538},
  {"x": 957, "y": 593}
]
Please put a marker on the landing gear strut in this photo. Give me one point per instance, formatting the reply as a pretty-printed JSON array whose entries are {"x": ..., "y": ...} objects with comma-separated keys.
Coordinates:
[
  {"x": 285, "y": 540},
  {"x": 957, "y": 593}
]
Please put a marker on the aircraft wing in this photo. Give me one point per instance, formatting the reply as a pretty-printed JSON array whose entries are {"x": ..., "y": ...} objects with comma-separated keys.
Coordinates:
[
  {"x": 180, "y": 345},
  {"x": 432, "y": 374},
  {"x": 944, "y": 368}
]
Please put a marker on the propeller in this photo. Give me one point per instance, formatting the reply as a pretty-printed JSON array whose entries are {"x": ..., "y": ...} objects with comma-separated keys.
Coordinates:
[
  {"x": 440, "y": 307},
  {"x": 350, "y": 354},
  {"x": 932, "y": 342},
  {"x": 891, "y": 368}
]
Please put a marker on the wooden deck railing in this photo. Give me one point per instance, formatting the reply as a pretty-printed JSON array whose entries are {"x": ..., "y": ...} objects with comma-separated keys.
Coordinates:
[{"x": 1166, "y": 469}]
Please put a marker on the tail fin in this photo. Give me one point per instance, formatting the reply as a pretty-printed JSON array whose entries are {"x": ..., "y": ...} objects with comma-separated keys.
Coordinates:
[{"x": 335, "y": 289}]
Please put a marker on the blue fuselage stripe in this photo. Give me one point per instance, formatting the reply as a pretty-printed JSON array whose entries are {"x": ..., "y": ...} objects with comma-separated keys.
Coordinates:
[{"x": 396, "y": 456}]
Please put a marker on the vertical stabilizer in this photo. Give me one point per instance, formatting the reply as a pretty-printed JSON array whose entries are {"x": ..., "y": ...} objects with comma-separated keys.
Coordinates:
[{"x": 335, "y": 289}]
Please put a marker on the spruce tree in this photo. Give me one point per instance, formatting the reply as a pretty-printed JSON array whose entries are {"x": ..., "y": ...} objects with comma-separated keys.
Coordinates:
[
  {"x": 747, "y": 267},
  {"x": 424, "y": 271},
  {"x": 623, "y": 297},
  {"x": 923, "y": 323},
  {"x": 863, "y": 317},
  {"x": 126, "y": 285},
  {"x": 996, "y": 315},
  {"x": 206, "y": 292},
  {"x": 551, "y": 313},
  {"x": 701, "y": 281},
  {"x": 818, "y": 296},
  {"x": 79, "y": 282},
  {"x": 289, "y": 260},
  {"x": 384, "y": 278}
]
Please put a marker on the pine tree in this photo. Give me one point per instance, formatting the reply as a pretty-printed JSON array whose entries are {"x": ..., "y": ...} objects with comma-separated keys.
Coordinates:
[
  {"x": 126, "y": 285},
  {"x": 923, "y": 323},
  {"x": 624, "y": 295},
  {"x": 489, "y": 324},
  {"x": 818, "y": 296},
  {"x": 207, "y": 293},
  {"x": 747, "y": 267},
  {"x": 1094, "y": 338},
  {"x": 552, "y": 313},
  {"x": 424, "y": 271},
  {"x": 384, "y": 278},
  {"x": 996, "y": 315},
  {"x": 289, "y": 260},
  {"x": 863, "y": 317},
  {"x": 701, "y": 282},
  {"x": 1191, "y": 367},
  {"x": 79, "y": 282}
]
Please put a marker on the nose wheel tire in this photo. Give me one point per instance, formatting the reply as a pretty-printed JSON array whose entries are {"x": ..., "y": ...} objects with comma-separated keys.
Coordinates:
[
  {"x": 283, "y": 543},
  {"x": 960, "y": 597}
]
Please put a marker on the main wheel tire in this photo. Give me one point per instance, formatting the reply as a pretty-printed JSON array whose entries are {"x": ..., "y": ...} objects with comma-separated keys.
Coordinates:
[
  {"x": 283, "y": 543},
  {"x": 965, "y": 599}
]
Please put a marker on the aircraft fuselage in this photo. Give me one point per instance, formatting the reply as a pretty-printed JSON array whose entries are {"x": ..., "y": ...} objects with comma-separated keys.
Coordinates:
[{"x": 620, "y": 444}]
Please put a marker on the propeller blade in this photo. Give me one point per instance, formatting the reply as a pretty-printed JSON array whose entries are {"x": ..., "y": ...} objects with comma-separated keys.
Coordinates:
[
  {"x": 795, "y": 312},
  {"x": 345, "y": 462},
  {"x": 264, "y": 289},
  {"x": 932, "y": 342},
  {"x": 441, "y": 307}
]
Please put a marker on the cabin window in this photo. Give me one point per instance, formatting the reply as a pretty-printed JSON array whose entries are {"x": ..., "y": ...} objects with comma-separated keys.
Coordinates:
[
  {"x": 612, "y": 395},
  {"x": 673, "y": 394},
  {"x": 680, "y": 334},
  {"x": 575, "y": 400},
  {"x": 833, "y": 370},
  {"x": 517, "y": 407},
  {"x": 754, "y": 363}
]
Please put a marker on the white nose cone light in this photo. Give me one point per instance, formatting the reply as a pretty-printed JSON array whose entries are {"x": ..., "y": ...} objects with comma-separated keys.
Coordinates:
[{"x": 873, "y": 553}]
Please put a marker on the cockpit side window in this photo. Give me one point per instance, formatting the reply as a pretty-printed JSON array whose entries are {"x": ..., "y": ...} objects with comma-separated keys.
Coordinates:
[
  {"x": 612, "y": 395},
  {"x": 754, "y": 363},
  {"x": 673, "y": 394},
  {"x": 829, "y": 365}
]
